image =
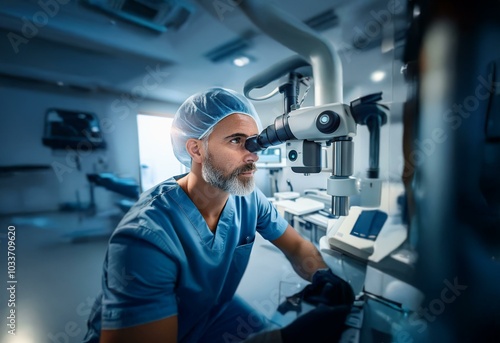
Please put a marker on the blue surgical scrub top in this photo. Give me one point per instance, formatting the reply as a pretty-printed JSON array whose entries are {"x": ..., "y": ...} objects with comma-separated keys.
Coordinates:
[{"x": 163, "y": 260}]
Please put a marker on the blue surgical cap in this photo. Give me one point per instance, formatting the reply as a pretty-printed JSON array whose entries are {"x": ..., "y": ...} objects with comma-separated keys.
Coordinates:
[{"x": 201, "y": 112}]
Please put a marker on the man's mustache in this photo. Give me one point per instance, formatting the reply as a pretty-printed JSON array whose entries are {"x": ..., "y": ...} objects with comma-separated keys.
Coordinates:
[{"x": 247, "y": 168}]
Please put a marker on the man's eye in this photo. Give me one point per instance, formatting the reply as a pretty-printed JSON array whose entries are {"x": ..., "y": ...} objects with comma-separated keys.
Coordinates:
[{"x": 236, "y": 140}]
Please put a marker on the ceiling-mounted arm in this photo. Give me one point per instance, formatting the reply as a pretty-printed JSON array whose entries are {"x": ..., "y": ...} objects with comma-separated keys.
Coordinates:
[
  {"x": 295, "y": 35},
  {"x": 272, "y": 73}
]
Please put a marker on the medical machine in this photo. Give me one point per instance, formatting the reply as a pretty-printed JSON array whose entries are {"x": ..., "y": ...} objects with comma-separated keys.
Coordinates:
[
  {"x": 330, "y": 122},
  {"x": 306, "y": 130},
  {"x": 452, "y": 193},
  {"x": 363, "y": 243},
  {"x": 65, "y": 129}
]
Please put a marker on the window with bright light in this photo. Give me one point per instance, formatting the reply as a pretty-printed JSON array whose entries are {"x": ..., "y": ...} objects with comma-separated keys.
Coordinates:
[{"x": 156, "y": 155}]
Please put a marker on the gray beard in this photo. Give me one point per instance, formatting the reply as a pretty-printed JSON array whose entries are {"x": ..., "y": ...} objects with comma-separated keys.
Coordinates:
[{"x": 231, "y": 183}]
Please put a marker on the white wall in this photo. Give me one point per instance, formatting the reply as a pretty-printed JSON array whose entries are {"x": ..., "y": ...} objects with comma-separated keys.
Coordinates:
[{"x": 21, "y": 129}]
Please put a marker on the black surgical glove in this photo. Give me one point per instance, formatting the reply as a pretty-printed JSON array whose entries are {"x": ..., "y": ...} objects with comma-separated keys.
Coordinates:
[
  {"x": 323, "y": 324},
  {"x": 327, "y": 288}
]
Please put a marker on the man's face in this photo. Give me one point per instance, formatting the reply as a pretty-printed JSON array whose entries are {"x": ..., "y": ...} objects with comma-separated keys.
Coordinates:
[{"x": 227, "y": 165}]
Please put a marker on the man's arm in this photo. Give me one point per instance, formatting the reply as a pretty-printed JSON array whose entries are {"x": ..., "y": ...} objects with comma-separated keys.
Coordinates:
[
  {"x": 301, "y": 253},
  {"x": 164, "y": 331}
]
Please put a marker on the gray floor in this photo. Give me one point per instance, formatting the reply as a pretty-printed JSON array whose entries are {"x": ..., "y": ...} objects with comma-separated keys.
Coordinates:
[{"x": 58, "y": 277}]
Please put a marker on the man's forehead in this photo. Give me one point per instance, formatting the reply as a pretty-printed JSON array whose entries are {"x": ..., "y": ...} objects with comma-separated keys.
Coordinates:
[{"x": 237, "y": 121}]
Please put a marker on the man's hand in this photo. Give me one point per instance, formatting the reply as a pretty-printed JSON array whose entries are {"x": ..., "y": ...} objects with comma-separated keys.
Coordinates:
[
  {"x": 327, "y": 288},
  {"x": 323, "y": 324}
]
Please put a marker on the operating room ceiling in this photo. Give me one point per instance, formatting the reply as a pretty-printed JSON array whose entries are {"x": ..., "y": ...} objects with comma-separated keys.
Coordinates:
[{"x": 73, "y": 45}]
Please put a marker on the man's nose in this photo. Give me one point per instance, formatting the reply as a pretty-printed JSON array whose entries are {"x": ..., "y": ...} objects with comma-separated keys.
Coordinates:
[{"x": 251, "y": 157}]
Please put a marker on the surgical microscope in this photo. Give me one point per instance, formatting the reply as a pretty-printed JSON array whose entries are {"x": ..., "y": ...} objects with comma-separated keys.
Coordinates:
[
  {"x": 306, "y": 130},
  {"x": 382, "y": 284}
]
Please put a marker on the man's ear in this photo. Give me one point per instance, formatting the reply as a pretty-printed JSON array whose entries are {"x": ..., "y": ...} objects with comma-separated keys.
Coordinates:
[{"x": 193, "y": 147}]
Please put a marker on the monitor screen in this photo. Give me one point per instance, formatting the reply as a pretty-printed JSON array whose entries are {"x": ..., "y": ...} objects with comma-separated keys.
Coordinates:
[{"x": 270, "y": 155}]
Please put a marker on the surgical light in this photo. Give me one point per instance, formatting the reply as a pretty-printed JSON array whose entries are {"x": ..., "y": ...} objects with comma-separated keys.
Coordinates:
[
  {"x": 377, "y": 76},
  {"x": 241, "y": 61}
]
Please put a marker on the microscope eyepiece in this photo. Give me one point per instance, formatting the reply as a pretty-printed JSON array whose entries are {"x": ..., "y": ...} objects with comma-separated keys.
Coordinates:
[
  {"x": 274, "y": 134},
  {"x": 252, "y": 145},
  {"x": 261, "y": 141}
]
